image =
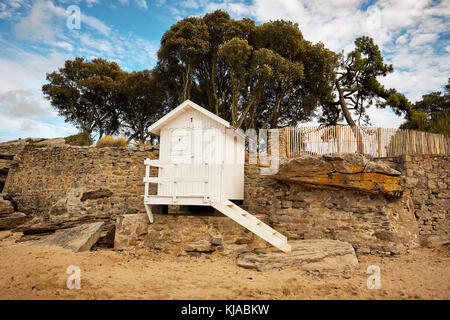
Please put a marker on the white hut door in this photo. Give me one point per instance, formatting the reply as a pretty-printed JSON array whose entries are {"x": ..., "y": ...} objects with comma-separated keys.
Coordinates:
[
  {"x": 213, "y": 140},
  {"x": 180, "y": 156},
  {"x": 197, "y": 168}
]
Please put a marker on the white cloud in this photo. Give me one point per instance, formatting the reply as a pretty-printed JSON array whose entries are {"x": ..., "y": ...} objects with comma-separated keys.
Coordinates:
[
  {"x": 22, "y": 104},
  {"x": 47, "y": 21},
  {"x": 13, "y": 128},
  {"x": 43, "y": 26},
  {"x": 96, "y": 24},
  {"x": 408, "y": 32},
  {"x": 21, "y": 99},
  {"x": 141, "y": 4}
]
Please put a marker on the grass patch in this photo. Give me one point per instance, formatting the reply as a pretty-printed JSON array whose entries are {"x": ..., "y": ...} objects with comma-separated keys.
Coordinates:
[
  {"x": 32, "y": 146},
  {"x": 33, "y": 141},
  {"x": 110, "y": 141},
  {"x": 80, "y": 139}
]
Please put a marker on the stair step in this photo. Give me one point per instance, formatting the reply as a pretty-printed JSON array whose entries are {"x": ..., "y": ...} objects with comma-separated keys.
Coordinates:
[{"x": 253, "y": 224}]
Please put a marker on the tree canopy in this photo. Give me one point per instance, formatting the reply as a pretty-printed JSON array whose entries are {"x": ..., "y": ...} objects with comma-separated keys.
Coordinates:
[
  {"x": 255, "y": 76},
  {"x": 432, "y": 113},
  {"x": 357, "y": 86},
  {"x": 85, "y": 94}
]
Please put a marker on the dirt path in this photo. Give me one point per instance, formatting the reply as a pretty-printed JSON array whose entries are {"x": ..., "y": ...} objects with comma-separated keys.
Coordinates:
[{"x": 32, "y": 272}]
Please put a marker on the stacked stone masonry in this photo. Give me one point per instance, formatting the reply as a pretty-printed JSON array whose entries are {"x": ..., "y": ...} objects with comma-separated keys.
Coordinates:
[
  {"x": 428, "y": 179},
  {"x": 61, "y": 183}
]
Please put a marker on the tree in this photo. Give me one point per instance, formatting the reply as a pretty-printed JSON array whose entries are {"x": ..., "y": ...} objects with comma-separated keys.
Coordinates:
[
  {"x": 357, "y": 87},
  {"x": 181, "y": 48},
  {"x": 85, "y": 94},
  {"x": 251, "y": 75},
  {"x": 142, "y": 104},
  {"x": 431, "y": 114},
  {"x": 64, "y": 94},
  {"x": 101, "y": 88}
]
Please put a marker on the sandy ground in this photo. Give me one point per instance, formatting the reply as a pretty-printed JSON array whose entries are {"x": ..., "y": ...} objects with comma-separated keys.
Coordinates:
[{"x": 33, "y": 272}]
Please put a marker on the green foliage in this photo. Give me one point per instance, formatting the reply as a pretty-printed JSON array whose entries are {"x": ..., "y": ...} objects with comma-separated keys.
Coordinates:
[
  {"x": 79, "y": 139},
  {"x": 142, "y": 104},
  {"x": 253, "y": 76},
  {"x": 33, "y": 141},
  {"x": 85, "y": 94},
  {"x": 32, "y": 146},
  {"x": 431, "y": 114},
  {"x": 358, "y": 88}
]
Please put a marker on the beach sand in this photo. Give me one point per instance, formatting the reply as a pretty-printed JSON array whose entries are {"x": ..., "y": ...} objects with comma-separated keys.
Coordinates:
[{"x": 34, "y": 272}]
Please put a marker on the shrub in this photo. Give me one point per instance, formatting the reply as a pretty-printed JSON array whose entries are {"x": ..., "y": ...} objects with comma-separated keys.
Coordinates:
[
  {"x": 110, "y": 141},
  {"x": 142, "y": 144},
  {"x": 33, "y": 141},
  {"x": 32, "y": 146},
  {"x": 80, "y": 139}
]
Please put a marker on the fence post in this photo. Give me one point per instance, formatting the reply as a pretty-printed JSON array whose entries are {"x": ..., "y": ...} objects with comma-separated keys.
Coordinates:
[
  {"x": 338, "y": 138},
  {"x": 380, "y": 154},
  {"x": 288, "y": 141}
]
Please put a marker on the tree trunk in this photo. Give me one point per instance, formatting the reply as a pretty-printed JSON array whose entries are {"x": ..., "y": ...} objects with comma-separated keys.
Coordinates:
[
  {"x": 186, "y": 83},
  {"x": 213, "y": 85},
  {"x": 348, "y": 118}
]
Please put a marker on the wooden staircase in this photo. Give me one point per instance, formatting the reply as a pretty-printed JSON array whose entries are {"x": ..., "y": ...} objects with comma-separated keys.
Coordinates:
[{"x": 252, "y": 223}]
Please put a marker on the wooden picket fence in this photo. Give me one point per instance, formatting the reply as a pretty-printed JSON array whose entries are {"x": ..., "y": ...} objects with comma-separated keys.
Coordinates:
[{"x": 375, "y": 142}]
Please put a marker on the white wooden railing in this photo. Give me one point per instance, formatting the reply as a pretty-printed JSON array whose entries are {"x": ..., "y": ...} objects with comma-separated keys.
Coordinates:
[{"x": 173, "y": 181}]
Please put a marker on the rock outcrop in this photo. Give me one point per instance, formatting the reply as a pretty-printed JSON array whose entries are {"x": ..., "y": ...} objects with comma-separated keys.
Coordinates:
[
  {"x": 325, "y": 256},
  {"x": 77, "y": 239},
  {"x": 5, "y": 206},
  {"x": 129, "y": 230},
  {"x": 12, "y": 220},
  {"x": 345, "y": 171}
]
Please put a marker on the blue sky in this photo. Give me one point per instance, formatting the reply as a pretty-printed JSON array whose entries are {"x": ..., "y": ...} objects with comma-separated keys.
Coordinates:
[{"x": 34, "y": 39}]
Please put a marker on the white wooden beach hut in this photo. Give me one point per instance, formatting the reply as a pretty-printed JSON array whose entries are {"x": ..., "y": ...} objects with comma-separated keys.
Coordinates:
[{"x": 201, "y": 162}]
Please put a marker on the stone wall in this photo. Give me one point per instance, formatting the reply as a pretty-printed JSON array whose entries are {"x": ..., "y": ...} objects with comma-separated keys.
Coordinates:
[
  {"x": 68, "y": 183},
  {"x": 428, "y": 179},
  {"x": 371, "y": 222},
  {"x": 185, "y": 234},
  {"x": 7, "y": 153},
  {"x": 77, "y": 181}
]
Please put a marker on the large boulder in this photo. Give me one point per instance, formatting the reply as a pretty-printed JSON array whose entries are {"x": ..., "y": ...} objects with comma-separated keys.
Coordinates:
[
  {"x": 325, "y": 256},
  {"x": 129, "y": 230},
  {"x": 12, "y": 220},
  {"x": 343, "y": 171},
  {"x": 5, "y": 206},
  {"x": 381, "y": 167},
  {"x": 77, "y": 239},
  {"x": 97, "y": 194},
  {"x": 5, "y": 164},
  {"x": 346, "y": 162}
]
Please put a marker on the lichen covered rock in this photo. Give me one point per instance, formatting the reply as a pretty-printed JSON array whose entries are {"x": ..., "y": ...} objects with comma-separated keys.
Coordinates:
[{"x": 346, "y": 171}]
